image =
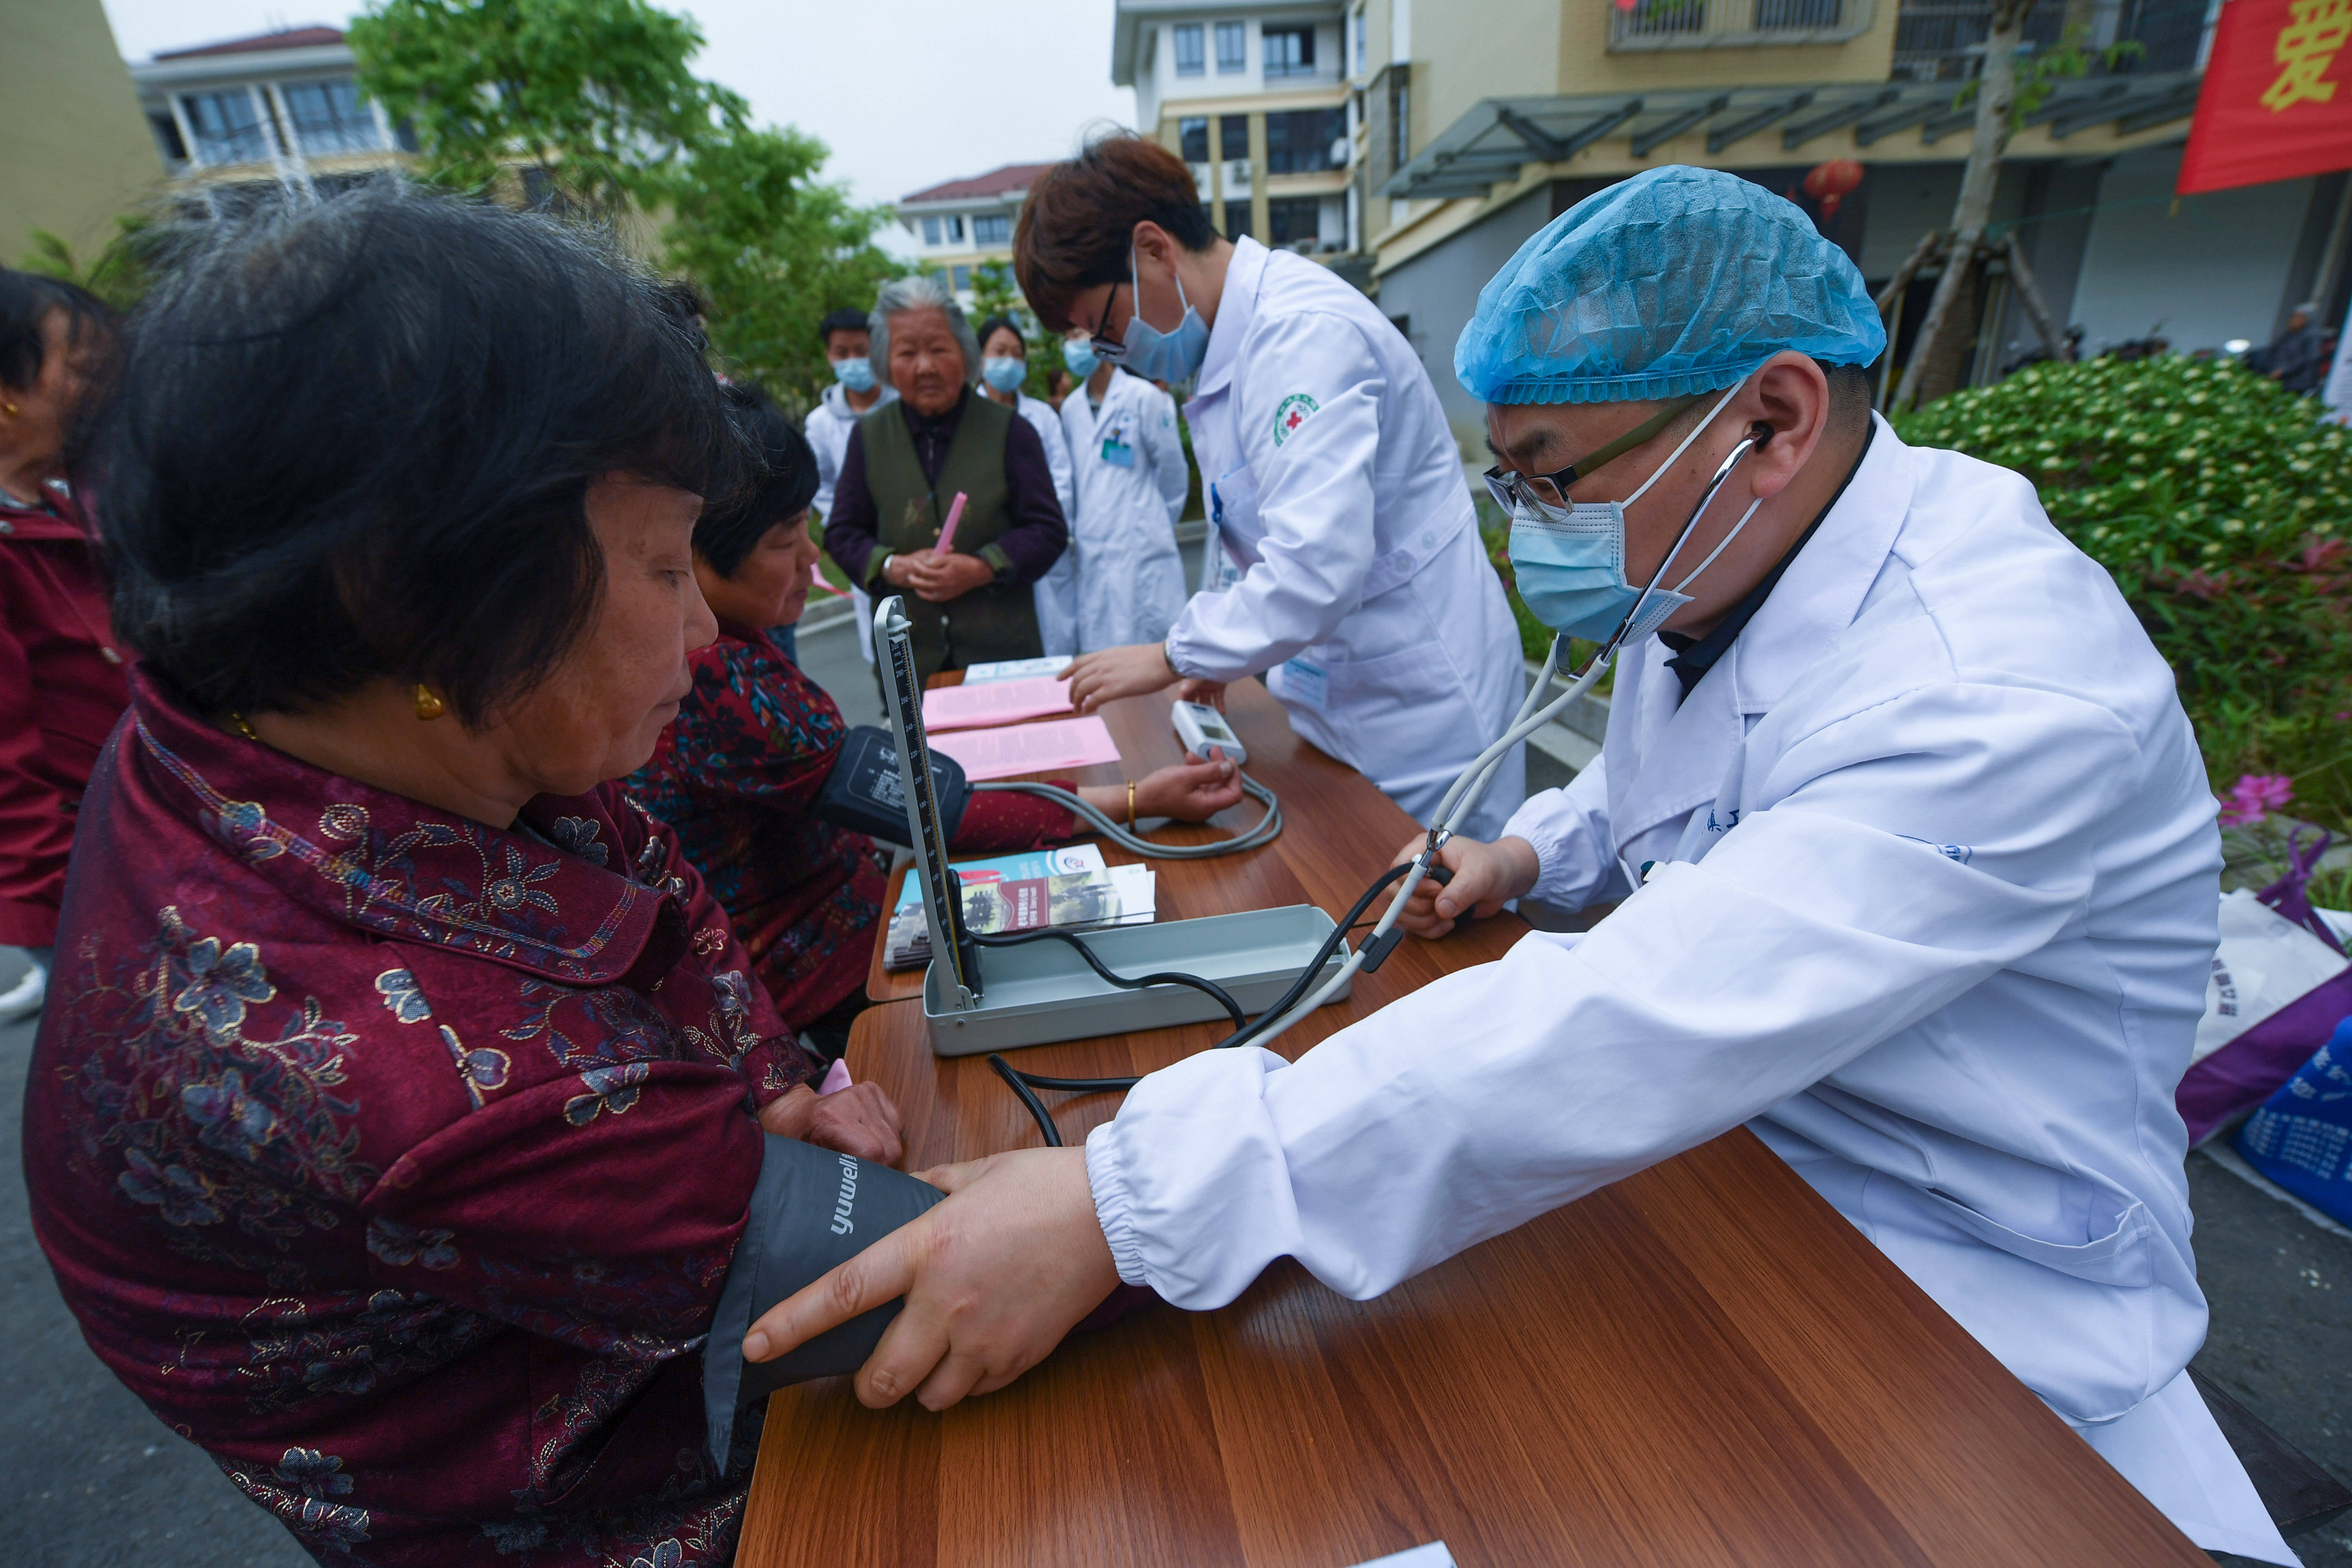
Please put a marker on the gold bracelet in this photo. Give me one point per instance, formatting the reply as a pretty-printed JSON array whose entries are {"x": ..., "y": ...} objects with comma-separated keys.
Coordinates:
[{"x": 1130, "y": 805}]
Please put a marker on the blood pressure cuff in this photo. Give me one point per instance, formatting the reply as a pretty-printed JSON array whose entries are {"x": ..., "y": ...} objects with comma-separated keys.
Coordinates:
[
  {"x": 864, "y": 794},
  {"x": 812, "y": 1209}
]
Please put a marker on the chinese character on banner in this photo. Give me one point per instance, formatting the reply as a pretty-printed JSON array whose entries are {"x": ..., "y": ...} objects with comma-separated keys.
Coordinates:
[{"x": 2277, "y": 102}]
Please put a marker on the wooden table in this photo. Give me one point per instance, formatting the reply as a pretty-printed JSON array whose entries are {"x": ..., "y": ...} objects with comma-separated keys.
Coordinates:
[{"x": 1702, "y": 1364}]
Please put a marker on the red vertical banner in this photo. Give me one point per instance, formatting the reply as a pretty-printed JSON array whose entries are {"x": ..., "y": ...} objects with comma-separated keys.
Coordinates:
[{"x": 2276, "y": 101}]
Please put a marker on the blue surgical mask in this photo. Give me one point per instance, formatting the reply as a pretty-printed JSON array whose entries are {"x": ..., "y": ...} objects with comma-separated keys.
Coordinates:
[
  {"x": 1003, "y": 372},
  {"x": 1571, "y": 562},
  {"x": 1079, "y": 355},
  {"x": 1155, "y": 355},
  {"x": 857, "y": 374}
]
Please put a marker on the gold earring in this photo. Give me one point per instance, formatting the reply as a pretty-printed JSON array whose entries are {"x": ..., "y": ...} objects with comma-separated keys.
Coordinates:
[
  {"x": 9, "y": 407},
  {"x": 429, "y": 705}
]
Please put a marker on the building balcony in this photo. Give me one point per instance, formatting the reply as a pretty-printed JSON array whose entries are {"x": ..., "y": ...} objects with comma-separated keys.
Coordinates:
[{"x": 1739, "y": 24}]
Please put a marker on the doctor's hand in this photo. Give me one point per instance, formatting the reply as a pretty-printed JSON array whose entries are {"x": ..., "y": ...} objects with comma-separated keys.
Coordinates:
[
  {"x": 1109, "y": 674},
  {"x": 993, "y": 1277},
  {"x": 1210, "y": 692},
  {"x": 1485, "y": 877}
]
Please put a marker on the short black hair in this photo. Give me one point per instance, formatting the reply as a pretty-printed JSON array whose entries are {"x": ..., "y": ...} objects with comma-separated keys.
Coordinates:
[
  {"x": 354, "y": 440},
  {"x": 1002, "y": 322},
  {"x": 842, "y": 320},
  {"x": 26, "y": 301},
  {"x": 779, "y": 491}
]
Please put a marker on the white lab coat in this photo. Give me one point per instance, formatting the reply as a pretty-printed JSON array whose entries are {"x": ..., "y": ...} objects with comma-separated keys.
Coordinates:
[
  {"x": 1056, "y": 595},
  {"x": 1931, "y": 909},
  {"x": 1344, "y": 541},
  {"x": 1130, "y": 575},
  {"x": 827, "y": 428}
]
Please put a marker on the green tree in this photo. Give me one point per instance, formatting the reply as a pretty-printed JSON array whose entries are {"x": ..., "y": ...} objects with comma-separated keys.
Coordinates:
[
  {"x": 592, "y": 97},
  {"x": 993, "y": 294},
  {"x": 121, "y": 273},
  {"x": 774, "y": 248}
]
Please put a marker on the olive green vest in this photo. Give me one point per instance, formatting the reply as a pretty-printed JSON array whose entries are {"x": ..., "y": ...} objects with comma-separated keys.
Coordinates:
[{"x": 997, "y": 621}]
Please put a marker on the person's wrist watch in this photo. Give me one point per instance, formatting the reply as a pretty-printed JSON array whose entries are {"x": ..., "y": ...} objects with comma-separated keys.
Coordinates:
[{"x": 888, "y": 557}]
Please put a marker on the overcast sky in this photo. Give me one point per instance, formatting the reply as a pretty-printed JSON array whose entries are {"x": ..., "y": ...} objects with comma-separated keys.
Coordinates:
[{"x": 906, "y": 92}]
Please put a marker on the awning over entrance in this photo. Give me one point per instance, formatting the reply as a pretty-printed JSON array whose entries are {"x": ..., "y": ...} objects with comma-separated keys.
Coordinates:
[{"x": 1496, "y": 140}]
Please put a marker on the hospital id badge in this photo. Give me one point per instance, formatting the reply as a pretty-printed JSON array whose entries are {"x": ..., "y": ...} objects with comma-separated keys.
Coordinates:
[
  {"x": 1118, "y": 454},
  {"x": 1309, "y": 684}
]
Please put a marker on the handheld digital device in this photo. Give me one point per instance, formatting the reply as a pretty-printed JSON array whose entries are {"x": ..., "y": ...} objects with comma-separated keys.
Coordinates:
[{"x": 1200, "y": 727}]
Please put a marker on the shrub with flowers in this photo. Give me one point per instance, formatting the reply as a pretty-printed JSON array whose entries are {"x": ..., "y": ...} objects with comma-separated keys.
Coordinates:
[{"x": 2223, "y": 504}]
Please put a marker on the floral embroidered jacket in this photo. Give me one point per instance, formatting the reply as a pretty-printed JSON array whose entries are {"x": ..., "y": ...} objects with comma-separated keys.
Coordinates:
[
  {"x": 396, "y": 1160},
  {"x": 735, "y": 775}
]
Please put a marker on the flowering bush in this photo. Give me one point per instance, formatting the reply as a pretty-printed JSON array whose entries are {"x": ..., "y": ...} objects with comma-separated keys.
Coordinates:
[{"x": 2221, "y": 503}]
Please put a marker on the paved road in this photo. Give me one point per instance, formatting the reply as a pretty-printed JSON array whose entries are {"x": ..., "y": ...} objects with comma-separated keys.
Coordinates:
[{"x": 89, "y": 1479}]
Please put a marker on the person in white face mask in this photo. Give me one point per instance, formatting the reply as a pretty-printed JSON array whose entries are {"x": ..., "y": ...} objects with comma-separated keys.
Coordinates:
[
  {"x": 856, "y": 392},
  {"x": 1344, "y": 562},
  {"x": 1915, "y": 868},
  {"x": 1131, "y": 480},
  {"x": 1003, "y": 367}
]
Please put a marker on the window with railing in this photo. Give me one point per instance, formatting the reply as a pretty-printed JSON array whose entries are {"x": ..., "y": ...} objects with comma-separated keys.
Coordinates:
[
  {"x": 1289, "y": 52},
  {"x": 331, "y": 117},
  {"x": 1715, "y": 24},
  {"x": 1290, "y": 220},
  {"x": 1189, "y": 60},
  {"x": 1232, "y": 47},
  {"x": 1193, "y": 139},
  {"x": 1939, "y": 40},
  {"x": 226, "y": 125},
  {"x": 992, "y": 229},
  {"x": 1306, "y": 141},
  {"x": 1649, "y": 19},
  {"x": 1773, "y": 15}
]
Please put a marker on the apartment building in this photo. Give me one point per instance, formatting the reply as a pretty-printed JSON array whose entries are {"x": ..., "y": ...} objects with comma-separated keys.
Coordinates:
[
  {"x": 1465, "y": 125},
  {"x": 1490, "y": 118},
  {"x": 1262, "y": 102},
  {"x": 251, "y": 119},
  {"x": 960, "y": 226}
]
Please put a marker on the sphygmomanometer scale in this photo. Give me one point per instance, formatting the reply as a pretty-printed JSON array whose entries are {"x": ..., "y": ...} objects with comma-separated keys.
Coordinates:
[{"x": 1041, "y": 991}]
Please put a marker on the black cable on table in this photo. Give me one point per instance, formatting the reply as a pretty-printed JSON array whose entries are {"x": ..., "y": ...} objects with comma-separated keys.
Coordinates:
[
  {"x": 1022, "y": 1082},
  {"x": 1036, "y": 1107},
  {"x": 1223, "y": 998}
]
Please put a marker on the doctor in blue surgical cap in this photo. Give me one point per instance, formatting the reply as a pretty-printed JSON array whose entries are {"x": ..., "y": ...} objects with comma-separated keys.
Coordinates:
[{"x": 1911, "y": 852}]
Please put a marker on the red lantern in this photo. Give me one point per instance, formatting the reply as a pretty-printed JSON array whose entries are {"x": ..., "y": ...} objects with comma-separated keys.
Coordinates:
[{"x": 1829, "y": 184}]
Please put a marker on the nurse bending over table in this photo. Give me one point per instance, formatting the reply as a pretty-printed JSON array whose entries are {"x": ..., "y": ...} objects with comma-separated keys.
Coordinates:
[
  {"x": 1344, "y": 562},
  {"x": 1918, "y": 869}
]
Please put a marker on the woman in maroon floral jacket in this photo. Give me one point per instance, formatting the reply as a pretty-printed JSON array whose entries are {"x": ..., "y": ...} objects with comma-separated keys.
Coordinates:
[
  {"x": 736, "y": 773},
  {"x": 393, "y": 1124}
]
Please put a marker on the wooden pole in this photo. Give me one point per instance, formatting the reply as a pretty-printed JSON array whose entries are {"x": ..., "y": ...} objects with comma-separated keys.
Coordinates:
[
  {"x": 1921, "y": 254},
  {"x": 1996, "y": 98},
  {"x": 2037, "y": 309}
]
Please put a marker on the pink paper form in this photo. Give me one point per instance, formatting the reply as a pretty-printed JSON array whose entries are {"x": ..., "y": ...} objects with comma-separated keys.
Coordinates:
[
  {"x": 1029, "y": 748},
  {"x": 994, "y": 702}
]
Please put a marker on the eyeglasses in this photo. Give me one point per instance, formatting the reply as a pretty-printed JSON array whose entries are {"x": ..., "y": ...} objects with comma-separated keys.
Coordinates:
[
  {"x": 1549, "y": 491},
  {"x": 1105, "y": 347}
]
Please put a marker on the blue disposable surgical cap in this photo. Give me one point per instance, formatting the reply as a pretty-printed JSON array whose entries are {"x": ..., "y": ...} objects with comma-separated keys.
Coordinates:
[{"x": 1676, "y": 281}]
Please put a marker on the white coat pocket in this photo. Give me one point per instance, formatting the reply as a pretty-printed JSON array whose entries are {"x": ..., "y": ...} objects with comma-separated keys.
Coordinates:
[{"x": 2119, "y": 1258}]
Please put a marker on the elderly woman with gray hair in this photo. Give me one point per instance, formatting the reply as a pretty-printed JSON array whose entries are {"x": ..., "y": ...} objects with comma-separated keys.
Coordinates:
[{"x": 905, "y": 463}]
